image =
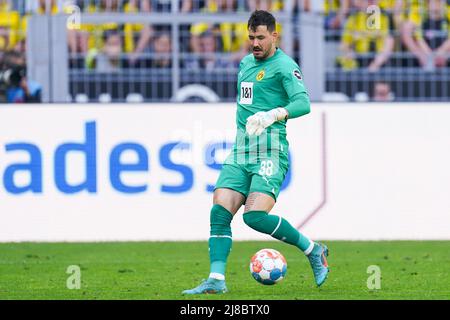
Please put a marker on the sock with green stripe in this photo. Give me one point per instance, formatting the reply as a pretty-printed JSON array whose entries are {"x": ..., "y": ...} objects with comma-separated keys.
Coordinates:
[
  {"x": 220, "y": 241},
  {"x": 279, "y": 228}
]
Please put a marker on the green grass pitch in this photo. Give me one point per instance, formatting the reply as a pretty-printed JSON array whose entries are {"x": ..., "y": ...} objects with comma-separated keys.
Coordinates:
[{"x": 161, "y": 270}]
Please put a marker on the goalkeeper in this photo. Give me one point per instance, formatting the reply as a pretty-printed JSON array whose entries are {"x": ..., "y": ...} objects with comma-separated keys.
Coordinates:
[{"x": 270, "y": 91}]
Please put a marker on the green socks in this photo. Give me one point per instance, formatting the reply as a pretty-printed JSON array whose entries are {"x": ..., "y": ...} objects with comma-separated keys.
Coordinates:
[
  {"x": 220, "y": 241},
  {"x": 278, "y": 228}
]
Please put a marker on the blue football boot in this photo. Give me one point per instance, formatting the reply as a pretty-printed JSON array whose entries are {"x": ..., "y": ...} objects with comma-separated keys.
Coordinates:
[
  {"x": 318, "y": 260},
  {"x": 209, "y": 286}
]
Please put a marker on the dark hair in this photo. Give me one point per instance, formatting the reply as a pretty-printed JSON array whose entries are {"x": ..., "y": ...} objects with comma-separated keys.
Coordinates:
[{"x": 261, "y": 18}]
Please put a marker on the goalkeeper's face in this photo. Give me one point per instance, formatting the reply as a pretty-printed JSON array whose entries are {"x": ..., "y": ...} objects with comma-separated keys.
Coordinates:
[{"x": 262, "y": 42}]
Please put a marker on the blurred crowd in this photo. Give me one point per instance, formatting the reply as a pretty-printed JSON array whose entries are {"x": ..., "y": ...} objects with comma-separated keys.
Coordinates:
[
  {"x": 371, "y": 34},
  {"x": 399, "y": 33}
]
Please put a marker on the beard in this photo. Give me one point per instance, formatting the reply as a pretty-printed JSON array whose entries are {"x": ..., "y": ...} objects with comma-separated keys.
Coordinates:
[{"x": 259, "y": 53}]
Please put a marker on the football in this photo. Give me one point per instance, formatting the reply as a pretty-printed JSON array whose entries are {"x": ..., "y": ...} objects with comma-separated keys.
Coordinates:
[{"x": 268, "y": 266}]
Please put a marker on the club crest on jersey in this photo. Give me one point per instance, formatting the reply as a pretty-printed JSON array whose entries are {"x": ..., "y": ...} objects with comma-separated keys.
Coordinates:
[
  {"x": 260, "y": 75},
  {"x": 297, "y": 74}
]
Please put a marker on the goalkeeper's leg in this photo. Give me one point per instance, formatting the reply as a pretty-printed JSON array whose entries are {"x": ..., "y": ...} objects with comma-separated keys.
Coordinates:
[
  {"x": 226, "y": 204},
  {"x": 256, "y": 216}
]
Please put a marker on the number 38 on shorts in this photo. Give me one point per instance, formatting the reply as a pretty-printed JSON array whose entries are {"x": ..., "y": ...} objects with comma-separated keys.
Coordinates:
[
  {"x": 266, "y": 168},
  {"x": 270, "y": 176}
]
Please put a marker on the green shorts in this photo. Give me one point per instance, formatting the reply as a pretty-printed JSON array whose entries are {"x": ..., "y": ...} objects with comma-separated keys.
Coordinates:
[{"x": 264, "y": 175}]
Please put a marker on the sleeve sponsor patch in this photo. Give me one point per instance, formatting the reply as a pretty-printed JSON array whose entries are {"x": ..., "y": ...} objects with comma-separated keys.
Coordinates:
[{"x": 297, "y": 74}]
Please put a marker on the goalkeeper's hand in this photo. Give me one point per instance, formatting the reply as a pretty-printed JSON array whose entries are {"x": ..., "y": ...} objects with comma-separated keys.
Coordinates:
[{"x": 258, "y": 122}]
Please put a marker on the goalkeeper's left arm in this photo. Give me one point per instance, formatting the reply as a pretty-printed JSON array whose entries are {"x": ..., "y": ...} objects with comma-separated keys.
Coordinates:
[{"x": 299, "y": 106}]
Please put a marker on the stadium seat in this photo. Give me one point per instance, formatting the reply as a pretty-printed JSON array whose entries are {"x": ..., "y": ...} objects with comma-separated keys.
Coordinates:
[
  {"x": 104, "y": 98},
  {"x": 134, "y": 98},
  {"x": 81, "y": 98},
  {"x": 361, "y": 97},
  {"x": 335, "y": 97}
]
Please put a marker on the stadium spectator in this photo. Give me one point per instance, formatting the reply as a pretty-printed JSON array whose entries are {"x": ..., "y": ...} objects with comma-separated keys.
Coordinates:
[
  {"x": 108, "y": 59},
  {"x": 17, "y": 88},
  {"x": 9, "y": 26},
  {"x": 411, "y": 11},
  {"x": 233, "y": 36},
  {"x": 166, "y": 6},
  {"x": 429, "y": 42},
  {"x": 396, "y": 9},
  {"x": 150, "y": 33},
  {"x": 267, "y": 5},
  {"x": 335, "y": 12},
  {"x": 162, "y": 51},
  {"x": 209, "y": 59},
  {"x": 363, "y": 45},
  {"x": 136, "y": 36},
  {"x": 47, "y": 7},
  {"x": 95, "y": 31},
  {"x": 382, "y": 92}
]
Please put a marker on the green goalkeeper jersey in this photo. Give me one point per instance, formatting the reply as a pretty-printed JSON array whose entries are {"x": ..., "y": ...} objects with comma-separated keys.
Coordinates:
[{"x": 264, "y": 85}]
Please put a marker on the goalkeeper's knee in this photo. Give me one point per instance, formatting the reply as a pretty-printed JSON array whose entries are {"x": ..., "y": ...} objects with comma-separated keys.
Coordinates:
[
  {"x": 258, "y": 220},
  {"x": 272, "y": 225},
  {"x": 220, "y": 221}
]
